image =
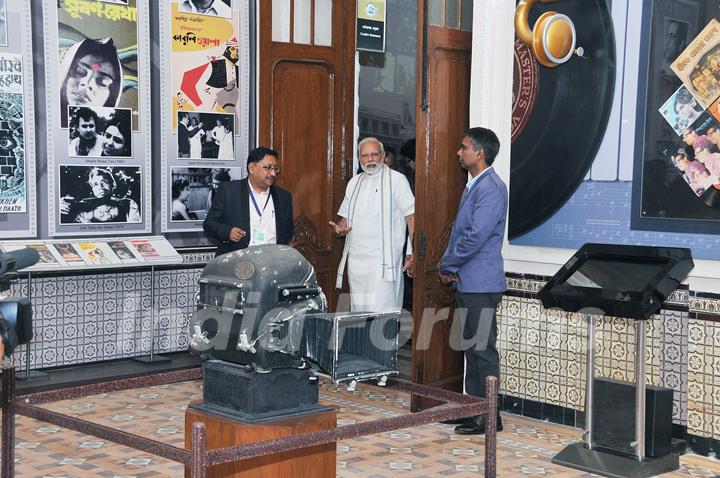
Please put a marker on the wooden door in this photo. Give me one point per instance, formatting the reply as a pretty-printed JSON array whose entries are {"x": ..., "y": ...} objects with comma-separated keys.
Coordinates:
[
  {"x": 306, "y": 91},
  {"x": 444, "y": 56}
]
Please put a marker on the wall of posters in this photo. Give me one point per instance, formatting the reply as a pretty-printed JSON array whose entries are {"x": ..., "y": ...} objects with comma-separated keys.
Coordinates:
[
  {"x": 205, "y": 87},
  {"x": 17, "y": 124},
  {"x": 98, "y": 102}
]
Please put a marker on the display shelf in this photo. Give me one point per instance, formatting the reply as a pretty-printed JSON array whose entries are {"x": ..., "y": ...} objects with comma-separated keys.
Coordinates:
[
  {"x": 72, "y": 255},
  {"x": 65, "y": 255}
]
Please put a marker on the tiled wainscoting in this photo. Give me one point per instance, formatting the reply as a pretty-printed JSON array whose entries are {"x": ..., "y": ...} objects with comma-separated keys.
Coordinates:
[
  {"x": 86, "y": 318},
  {"x": 543, "y": 358}
]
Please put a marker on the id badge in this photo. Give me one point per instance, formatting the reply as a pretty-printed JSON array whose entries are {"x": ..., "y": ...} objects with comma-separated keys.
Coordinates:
[{"x": 257, "y": 236}]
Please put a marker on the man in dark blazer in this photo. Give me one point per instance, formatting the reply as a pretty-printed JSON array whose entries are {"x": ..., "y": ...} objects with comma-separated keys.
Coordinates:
[
  {"x": 252, "y": 211},
  {"x": 473, "y": 263}
]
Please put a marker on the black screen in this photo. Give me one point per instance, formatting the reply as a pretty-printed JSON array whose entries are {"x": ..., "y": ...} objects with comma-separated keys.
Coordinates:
[{"x": 631, "y": 274}]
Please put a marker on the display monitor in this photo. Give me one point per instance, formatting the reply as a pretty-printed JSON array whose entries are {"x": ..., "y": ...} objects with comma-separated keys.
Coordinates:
[{"x": 617, "y": 280}]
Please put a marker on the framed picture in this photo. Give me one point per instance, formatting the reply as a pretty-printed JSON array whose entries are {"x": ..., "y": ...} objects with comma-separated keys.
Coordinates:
[{"x": 673, "y": 190}]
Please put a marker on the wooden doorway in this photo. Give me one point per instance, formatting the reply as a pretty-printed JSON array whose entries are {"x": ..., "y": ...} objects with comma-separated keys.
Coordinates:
[
  {"x": 444, "y": 58},
  {"x": 306, "y": 90}
]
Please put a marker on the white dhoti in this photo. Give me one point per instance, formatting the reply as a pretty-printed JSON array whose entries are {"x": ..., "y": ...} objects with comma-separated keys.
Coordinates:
[{"x": 374, "y": 247}]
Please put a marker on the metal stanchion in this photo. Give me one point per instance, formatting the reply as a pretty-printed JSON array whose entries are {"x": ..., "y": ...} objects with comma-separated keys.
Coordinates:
[
  {"x": 152, "y": 358},
  {"x": 8, "y": 421},
  {"x": 590, "y": 378},
  {"x": 29, "y": 374},
  {"x": 640, "y": 390}
]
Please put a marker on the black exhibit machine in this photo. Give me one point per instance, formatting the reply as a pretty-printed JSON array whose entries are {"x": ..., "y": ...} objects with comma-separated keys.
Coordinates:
[
  {"x": 628, "y": 427},
  {"x": 261, "y": 326}
]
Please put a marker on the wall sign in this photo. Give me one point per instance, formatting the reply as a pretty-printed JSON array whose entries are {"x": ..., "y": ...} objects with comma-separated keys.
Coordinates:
[{"x": 370, "y": 29}]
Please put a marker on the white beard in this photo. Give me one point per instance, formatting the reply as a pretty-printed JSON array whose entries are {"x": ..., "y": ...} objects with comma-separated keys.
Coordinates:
[{"x": 373, "y": 171}]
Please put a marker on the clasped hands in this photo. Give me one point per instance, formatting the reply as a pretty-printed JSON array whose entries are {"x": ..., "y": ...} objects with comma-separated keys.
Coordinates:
[{"x": 447, "y": 279}]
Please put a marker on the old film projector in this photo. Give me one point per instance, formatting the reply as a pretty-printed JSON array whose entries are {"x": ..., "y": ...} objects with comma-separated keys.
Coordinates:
[{"x": 262, "y": 328}]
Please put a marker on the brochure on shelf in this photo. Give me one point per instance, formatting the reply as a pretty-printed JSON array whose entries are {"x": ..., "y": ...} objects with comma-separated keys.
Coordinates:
[{"x": 77, "y": 254}]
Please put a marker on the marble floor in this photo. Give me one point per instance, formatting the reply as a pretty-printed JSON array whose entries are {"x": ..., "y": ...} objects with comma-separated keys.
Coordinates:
[{"x": 525, "y": 447}]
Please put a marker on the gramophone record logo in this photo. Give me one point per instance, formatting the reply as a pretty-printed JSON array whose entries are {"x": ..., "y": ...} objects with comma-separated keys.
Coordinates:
[{"x": 525, "y": 87}]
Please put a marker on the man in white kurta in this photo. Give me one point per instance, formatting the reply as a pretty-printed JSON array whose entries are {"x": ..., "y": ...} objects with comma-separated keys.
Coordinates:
[{"x": 378, "y": 208}]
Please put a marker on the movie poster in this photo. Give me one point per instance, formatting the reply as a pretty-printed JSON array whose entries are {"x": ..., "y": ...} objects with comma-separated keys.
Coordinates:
[
  {"x": 98, "y": 55},
  {"x": 68, "y": 253},
  {"x": 13, "y": 197},
  {"x": 3, "y": 23},
  {"x": 696, "y": 157},
  {"x": 681, "y": 109},
  {"x": 96, "y": 253},
  {"x": 100, "y": 194},
  {"x": 193, "y": 190},
  {"x": 205, "y": 54},
  {"x": 208, "y": 136},
  {"x": 122, "y": 251},
  {"x": 96, "y": 131},
  {"x": 698, "y": 66}
]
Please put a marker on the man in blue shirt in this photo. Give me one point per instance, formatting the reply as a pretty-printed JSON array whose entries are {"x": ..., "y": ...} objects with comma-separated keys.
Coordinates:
[{"x": 473, "y": 263}]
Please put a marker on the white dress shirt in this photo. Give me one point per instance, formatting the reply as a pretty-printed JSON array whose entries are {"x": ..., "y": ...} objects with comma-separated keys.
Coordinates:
[{"x": 264, "y": 221}]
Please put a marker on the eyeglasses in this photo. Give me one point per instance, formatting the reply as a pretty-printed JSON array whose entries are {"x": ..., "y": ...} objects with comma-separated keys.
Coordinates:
[{"x": 270, "y": 167}]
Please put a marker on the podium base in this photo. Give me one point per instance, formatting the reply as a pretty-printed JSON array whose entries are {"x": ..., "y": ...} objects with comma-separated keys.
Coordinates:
[
  {"x": 316, "y": 461},
  {"x": 615, "y": 466}
]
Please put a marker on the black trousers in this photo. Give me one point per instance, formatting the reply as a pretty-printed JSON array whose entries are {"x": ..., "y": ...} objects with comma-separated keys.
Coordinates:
[{"x": 479, "y": 339}]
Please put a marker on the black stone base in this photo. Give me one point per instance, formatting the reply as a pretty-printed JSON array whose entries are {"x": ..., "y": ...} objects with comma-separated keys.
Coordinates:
[
  {"x": 615, "y": 466},
  {"x": 259, "y": 417},
  {"x": 232, "y": 391}
]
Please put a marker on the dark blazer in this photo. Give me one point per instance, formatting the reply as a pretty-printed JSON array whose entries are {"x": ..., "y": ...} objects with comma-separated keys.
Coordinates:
[{"x": 231, "y": 208}]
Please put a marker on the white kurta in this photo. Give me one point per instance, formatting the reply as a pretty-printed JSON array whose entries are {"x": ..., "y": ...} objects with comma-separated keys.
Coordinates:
[{"x": 368, "y": 291}]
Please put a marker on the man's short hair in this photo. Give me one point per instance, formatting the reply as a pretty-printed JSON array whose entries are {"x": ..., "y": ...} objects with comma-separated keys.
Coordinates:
[
  {"x": 183, "y": 115},
  {"x": 86, "y": 114},
  {"x": 221, "y": 175},
  {"x": 370, "y": 139},
  {"x": 257, "y": 154},
  {"x": 485, "y": 139}
]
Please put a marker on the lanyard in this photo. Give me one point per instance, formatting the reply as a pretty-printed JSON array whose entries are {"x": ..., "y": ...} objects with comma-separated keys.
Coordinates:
[{"x": 257, "y": 208}]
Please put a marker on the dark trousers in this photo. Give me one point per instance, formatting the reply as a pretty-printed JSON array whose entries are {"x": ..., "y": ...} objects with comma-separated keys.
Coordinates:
[{"x": 481, "y": 354}]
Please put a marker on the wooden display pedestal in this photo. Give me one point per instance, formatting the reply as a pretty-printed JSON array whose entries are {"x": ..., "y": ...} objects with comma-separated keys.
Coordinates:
[{"x": 316, "y": 462}]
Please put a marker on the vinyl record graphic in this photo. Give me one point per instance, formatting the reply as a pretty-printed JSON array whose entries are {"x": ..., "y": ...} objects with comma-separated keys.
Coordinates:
[{"x": 562, "y": 132}]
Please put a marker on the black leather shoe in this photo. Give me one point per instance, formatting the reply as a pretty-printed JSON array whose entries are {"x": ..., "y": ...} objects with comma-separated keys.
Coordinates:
[
  {"x": 476, "y": 426},
  {"x": 457, "y": 421}
]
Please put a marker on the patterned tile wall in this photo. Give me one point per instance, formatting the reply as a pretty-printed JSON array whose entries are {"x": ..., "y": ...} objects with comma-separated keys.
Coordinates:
[
  {"x": 543, "y": 353},
  {"x": 89, "y": 318}
]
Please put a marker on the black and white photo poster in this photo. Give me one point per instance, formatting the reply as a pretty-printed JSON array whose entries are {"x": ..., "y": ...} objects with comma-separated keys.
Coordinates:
[
  {"x": 99, "y": 131},
  {"x": 98, "y": 194},
  {"x": 98, "y": 99}
]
